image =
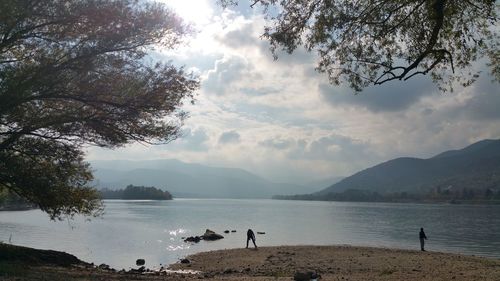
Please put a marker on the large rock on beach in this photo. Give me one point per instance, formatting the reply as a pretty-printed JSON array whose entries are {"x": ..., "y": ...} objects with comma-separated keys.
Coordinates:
[
  {"x": 305, "y": 276},
  {"x": 104, "y": 266}
]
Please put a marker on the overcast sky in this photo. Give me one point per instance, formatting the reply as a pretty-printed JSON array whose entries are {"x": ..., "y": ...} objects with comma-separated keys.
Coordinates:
[{"x": 283, "y": 121}]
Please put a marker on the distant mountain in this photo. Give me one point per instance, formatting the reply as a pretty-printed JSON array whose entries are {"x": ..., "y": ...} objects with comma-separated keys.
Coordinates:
[
  {"x": 189, "y": 180},
  {"x": 473, "y": 170},
  {"x": 320, "y": 184}
]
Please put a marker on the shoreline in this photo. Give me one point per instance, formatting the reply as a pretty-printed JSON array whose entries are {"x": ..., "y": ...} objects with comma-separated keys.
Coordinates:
[{"x": 266, "y": 263}]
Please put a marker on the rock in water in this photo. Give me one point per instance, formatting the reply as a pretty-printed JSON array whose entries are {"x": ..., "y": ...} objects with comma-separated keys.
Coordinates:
[
  {"x": 211, "y": 235},
  {"x": 194, "y": 239},
  {"x": 140, "y": 262},
  {"x": 226, "y": 231}
]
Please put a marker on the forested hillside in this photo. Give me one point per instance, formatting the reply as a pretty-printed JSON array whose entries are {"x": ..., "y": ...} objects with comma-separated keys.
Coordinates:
[{"x": 472, "y": 173}]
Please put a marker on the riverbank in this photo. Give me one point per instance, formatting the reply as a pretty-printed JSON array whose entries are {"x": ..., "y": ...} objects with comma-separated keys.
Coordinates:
[{"x": 268, "y": 263}]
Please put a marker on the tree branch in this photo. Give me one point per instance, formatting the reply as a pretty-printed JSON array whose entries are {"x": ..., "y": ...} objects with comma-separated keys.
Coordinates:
[{"x": 438, "y": 7}]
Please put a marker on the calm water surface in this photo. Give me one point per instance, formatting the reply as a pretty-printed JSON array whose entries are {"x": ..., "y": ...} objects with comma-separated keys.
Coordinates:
[{"x": 154, "y": 229}]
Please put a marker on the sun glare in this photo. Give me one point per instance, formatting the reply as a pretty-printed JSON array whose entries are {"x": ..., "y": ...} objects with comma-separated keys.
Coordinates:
[{"x": 196, "y": 12}]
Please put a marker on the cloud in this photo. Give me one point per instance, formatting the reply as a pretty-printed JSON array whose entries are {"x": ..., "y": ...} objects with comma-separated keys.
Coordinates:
[
  {"x": 247, "y": 35},
  {"x": 282, "y": 120},
  {"x": 230, "y": 137},
  {"x": 390, "y": 96},
  {"x": 259, "y": 91},
  {"x": 484, "y": 103},
  {"x": 193, "y": 139},
  {"x": 243, "y": 36},
  {"x": 225, "y": 78},
  {"x": 277, "y": 143},
  {"x": 242, "y": 8},
  {"x": 332, "y": 147}
]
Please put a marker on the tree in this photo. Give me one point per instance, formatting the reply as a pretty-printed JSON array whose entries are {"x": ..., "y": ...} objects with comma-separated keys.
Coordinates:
[
  {"x": 371, "y": 42},
  {"x": 132, "y": 192},
  {"x": 76, "y": 73}
]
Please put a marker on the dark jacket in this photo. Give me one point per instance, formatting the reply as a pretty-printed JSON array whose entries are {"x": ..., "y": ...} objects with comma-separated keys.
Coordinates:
[
  {"x": 250, "y": 234},
  {"x": 422, "y": 235}
]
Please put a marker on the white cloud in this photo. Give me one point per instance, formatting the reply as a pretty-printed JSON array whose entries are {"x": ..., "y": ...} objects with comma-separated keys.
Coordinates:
[
  {"x": 227, "y": 72},
  {"x": 284, "y": 121}
]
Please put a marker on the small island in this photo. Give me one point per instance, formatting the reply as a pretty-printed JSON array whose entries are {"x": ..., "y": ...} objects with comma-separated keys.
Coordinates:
[{"x": 132, "y": 192}]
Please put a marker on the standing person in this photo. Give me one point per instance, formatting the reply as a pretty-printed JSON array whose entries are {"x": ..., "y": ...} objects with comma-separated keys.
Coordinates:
[
  {"x": 251, "y": 235},
  {"x": 422, "y": 238}
]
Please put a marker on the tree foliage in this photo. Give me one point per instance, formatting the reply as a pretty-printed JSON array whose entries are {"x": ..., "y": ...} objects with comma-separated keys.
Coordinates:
[
  {"x": 76, "y": 73},
  {"x": 12, "y": 201},
  {"x": 366, "y": 42},
  {"x": 132, "y": 192}
]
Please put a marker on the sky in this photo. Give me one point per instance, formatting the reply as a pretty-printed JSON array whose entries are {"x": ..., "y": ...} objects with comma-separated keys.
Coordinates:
[{"x": 283, "y": 121}]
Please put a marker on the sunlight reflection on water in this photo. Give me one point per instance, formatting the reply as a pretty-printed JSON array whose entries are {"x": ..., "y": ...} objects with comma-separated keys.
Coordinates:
[
  {"x": 177, "y": 248},
  {"x": 153, "y": 230},
  {"x": 175, "y": 232}
]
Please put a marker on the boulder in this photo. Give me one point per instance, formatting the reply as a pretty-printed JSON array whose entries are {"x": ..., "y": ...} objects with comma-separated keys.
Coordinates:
[
  {"x": 229, "y": 271},
  {"x": 305, "y": 276},
  {"x": 185, "y": 261},
  {"x": 226, "y": 231},
  {"x": 194, "y": 239},
  {"x": 260, "y": 232},
  {"x": 211, "y": 235},
  {"x": 140, "y": 262},
  {"x": 233, "y": 230},
  {"x": 104, "y": 266}
]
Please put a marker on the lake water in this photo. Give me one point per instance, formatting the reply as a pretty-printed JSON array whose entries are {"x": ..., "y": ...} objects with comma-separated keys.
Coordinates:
[{"x": 153, "y": 230}]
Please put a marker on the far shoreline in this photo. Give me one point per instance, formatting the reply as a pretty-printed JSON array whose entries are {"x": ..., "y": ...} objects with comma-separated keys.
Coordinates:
[{"x": 442, "y": 202}]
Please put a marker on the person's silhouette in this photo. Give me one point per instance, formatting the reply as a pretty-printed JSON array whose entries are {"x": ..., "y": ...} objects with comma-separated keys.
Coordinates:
[
  {"x": 251, "y": 236},
  {"x": 422, "y": 237}
]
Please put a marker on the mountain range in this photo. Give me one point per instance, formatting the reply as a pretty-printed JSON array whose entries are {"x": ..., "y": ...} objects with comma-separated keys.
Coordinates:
[
  {"x": 475, "y": 168},
  {"x": 190, "y": 180},
  {"x": 456, "y": 174}
]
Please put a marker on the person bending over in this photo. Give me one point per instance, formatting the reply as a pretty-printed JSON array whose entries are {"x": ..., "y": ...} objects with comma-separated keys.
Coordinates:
[{"x": 251, "y": 236}]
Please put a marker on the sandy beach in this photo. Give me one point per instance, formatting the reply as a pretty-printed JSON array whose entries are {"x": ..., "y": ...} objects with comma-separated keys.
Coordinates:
[
  {"x": 340, "y": 263},
  {"x": 270, "y": 263}
]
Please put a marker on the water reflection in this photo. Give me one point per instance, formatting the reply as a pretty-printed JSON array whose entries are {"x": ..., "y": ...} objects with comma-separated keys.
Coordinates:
[{"x": 153, "y": 230}]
